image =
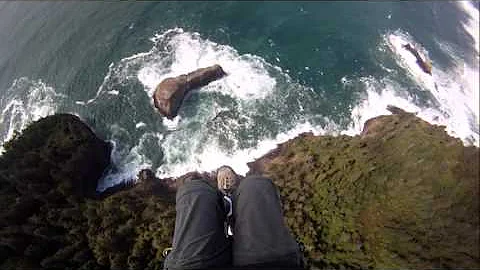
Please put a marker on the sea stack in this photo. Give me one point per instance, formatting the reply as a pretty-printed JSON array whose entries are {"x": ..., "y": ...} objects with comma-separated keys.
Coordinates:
[
  {"x": 424, "y": 64},
  {"x": 169, "y": 94}
]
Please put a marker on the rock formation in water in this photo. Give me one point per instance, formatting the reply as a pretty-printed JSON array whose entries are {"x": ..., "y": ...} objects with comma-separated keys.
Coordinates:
[
  {"x": 424, "y": 64},
  {"x": 403, "y": 194},
  {"x": 170, "y": 93}
]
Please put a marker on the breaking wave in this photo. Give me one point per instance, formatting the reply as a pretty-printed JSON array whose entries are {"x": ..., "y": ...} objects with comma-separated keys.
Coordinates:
[
  {"x": 23, "y": 102},
  {"x": 452, "y": 94}
]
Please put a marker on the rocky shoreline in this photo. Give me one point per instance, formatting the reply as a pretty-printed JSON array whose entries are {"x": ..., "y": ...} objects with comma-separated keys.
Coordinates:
[{"x": 402, "y": 194}]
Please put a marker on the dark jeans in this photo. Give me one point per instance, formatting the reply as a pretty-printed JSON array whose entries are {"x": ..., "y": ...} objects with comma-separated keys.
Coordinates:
[{"x": 260, "y": 237}]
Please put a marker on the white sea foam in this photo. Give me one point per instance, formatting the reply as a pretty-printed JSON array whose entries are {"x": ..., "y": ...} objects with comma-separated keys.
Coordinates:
[
  {"x": 454, "y": 90},
  {"x": 23, "y": 102},
  {"x": 211, "y": 155},
  {"x": 407, "y": 60},
  {"x": 140, "y": 125},
  {"x": 472, "y": 25},
  {"x": 247, "y": 78},
  {"x": 378, "y": 96},
  {"x": 171, "y": 124},
  {"x": 470, "y": 76},
  {"x": 101, "y": 88},
  {"x": 113, "y": 92},
  {"x": 126, "y": 162}
]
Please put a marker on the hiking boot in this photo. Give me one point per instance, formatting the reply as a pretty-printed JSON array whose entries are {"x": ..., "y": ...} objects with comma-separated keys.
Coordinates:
[
  {"x": 226, "y": 179},
  {"x": 166, "y": 252}
]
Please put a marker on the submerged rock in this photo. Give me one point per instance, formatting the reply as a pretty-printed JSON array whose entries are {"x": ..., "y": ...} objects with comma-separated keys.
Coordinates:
[
  {"x": 170, "y": 93},
  {"x": 396, "y": 110}
]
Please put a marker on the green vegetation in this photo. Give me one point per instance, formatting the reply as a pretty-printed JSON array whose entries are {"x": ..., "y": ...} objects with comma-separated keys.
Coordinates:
[
  {"x": 130, "y": 229},
  {"x": 51, "y": 216},
  {"x": 402, "y": 195}
]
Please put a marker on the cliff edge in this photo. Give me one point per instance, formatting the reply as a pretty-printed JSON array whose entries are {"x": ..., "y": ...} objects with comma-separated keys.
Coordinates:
[{"x": 403, "y": 194}]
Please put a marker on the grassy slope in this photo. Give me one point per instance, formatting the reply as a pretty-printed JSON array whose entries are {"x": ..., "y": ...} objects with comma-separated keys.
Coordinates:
[{"x": 404, "y": 194}]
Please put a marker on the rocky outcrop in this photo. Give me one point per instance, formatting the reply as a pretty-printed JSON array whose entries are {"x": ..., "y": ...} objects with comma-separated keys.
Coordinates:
[
  {"x": 376, "y": 126},
  {"x": 424, "y": 64},
  {"x": 57, "y": 150},
  {"x": 47, "y": 174},
  {"x": 170, "y": 93}
]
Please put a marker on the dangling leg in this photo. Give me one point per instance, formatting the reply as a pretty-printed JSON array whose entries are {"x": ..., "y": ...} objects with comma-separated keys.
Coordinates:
[{"x": 199, "y": 240}]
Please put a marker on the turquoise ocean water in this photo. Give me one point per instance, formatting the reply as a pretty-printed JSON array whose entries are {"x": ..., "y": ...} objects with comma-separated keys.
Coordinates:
[{"x": 293, "y": 67}]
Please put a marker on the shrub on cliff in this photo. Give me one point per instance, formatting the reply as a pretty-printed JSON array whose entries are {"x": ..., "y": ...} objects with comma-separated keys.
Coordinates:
[
  {"x": 45, "y": 174},
  {"x": 51, "y": 216},
  {"x": 130, "y": 229},
  {"x": 404, "y": 194},
  {"x": 58, "y": 150}
]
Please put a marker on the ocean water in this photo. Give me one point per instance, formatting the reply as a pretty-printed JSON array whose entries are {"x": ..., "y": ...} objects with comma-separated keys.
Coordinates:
[{"x": 293, "y": 67}]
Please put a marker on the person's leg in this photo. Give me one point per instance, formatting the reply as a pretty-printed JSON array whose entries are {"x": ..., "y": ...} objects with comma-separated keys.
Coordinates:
[
  {"x": 260, "y": 236},
  {"x": 199, "y": 240}
]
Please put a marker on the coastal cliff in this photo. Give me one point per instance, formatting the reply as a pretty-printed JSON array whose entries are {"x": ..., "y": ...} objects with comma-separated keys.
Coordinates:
[{"x": 403, "y": 194}]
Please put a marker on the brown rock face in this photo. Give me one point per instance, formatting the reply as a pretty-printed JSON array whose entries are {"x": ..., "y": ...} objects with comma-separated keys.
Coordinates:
[
  {"x": 425, "y": 65},
  {"x": 376, "y": 125},
  {"x": 169, "y": 94}
]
